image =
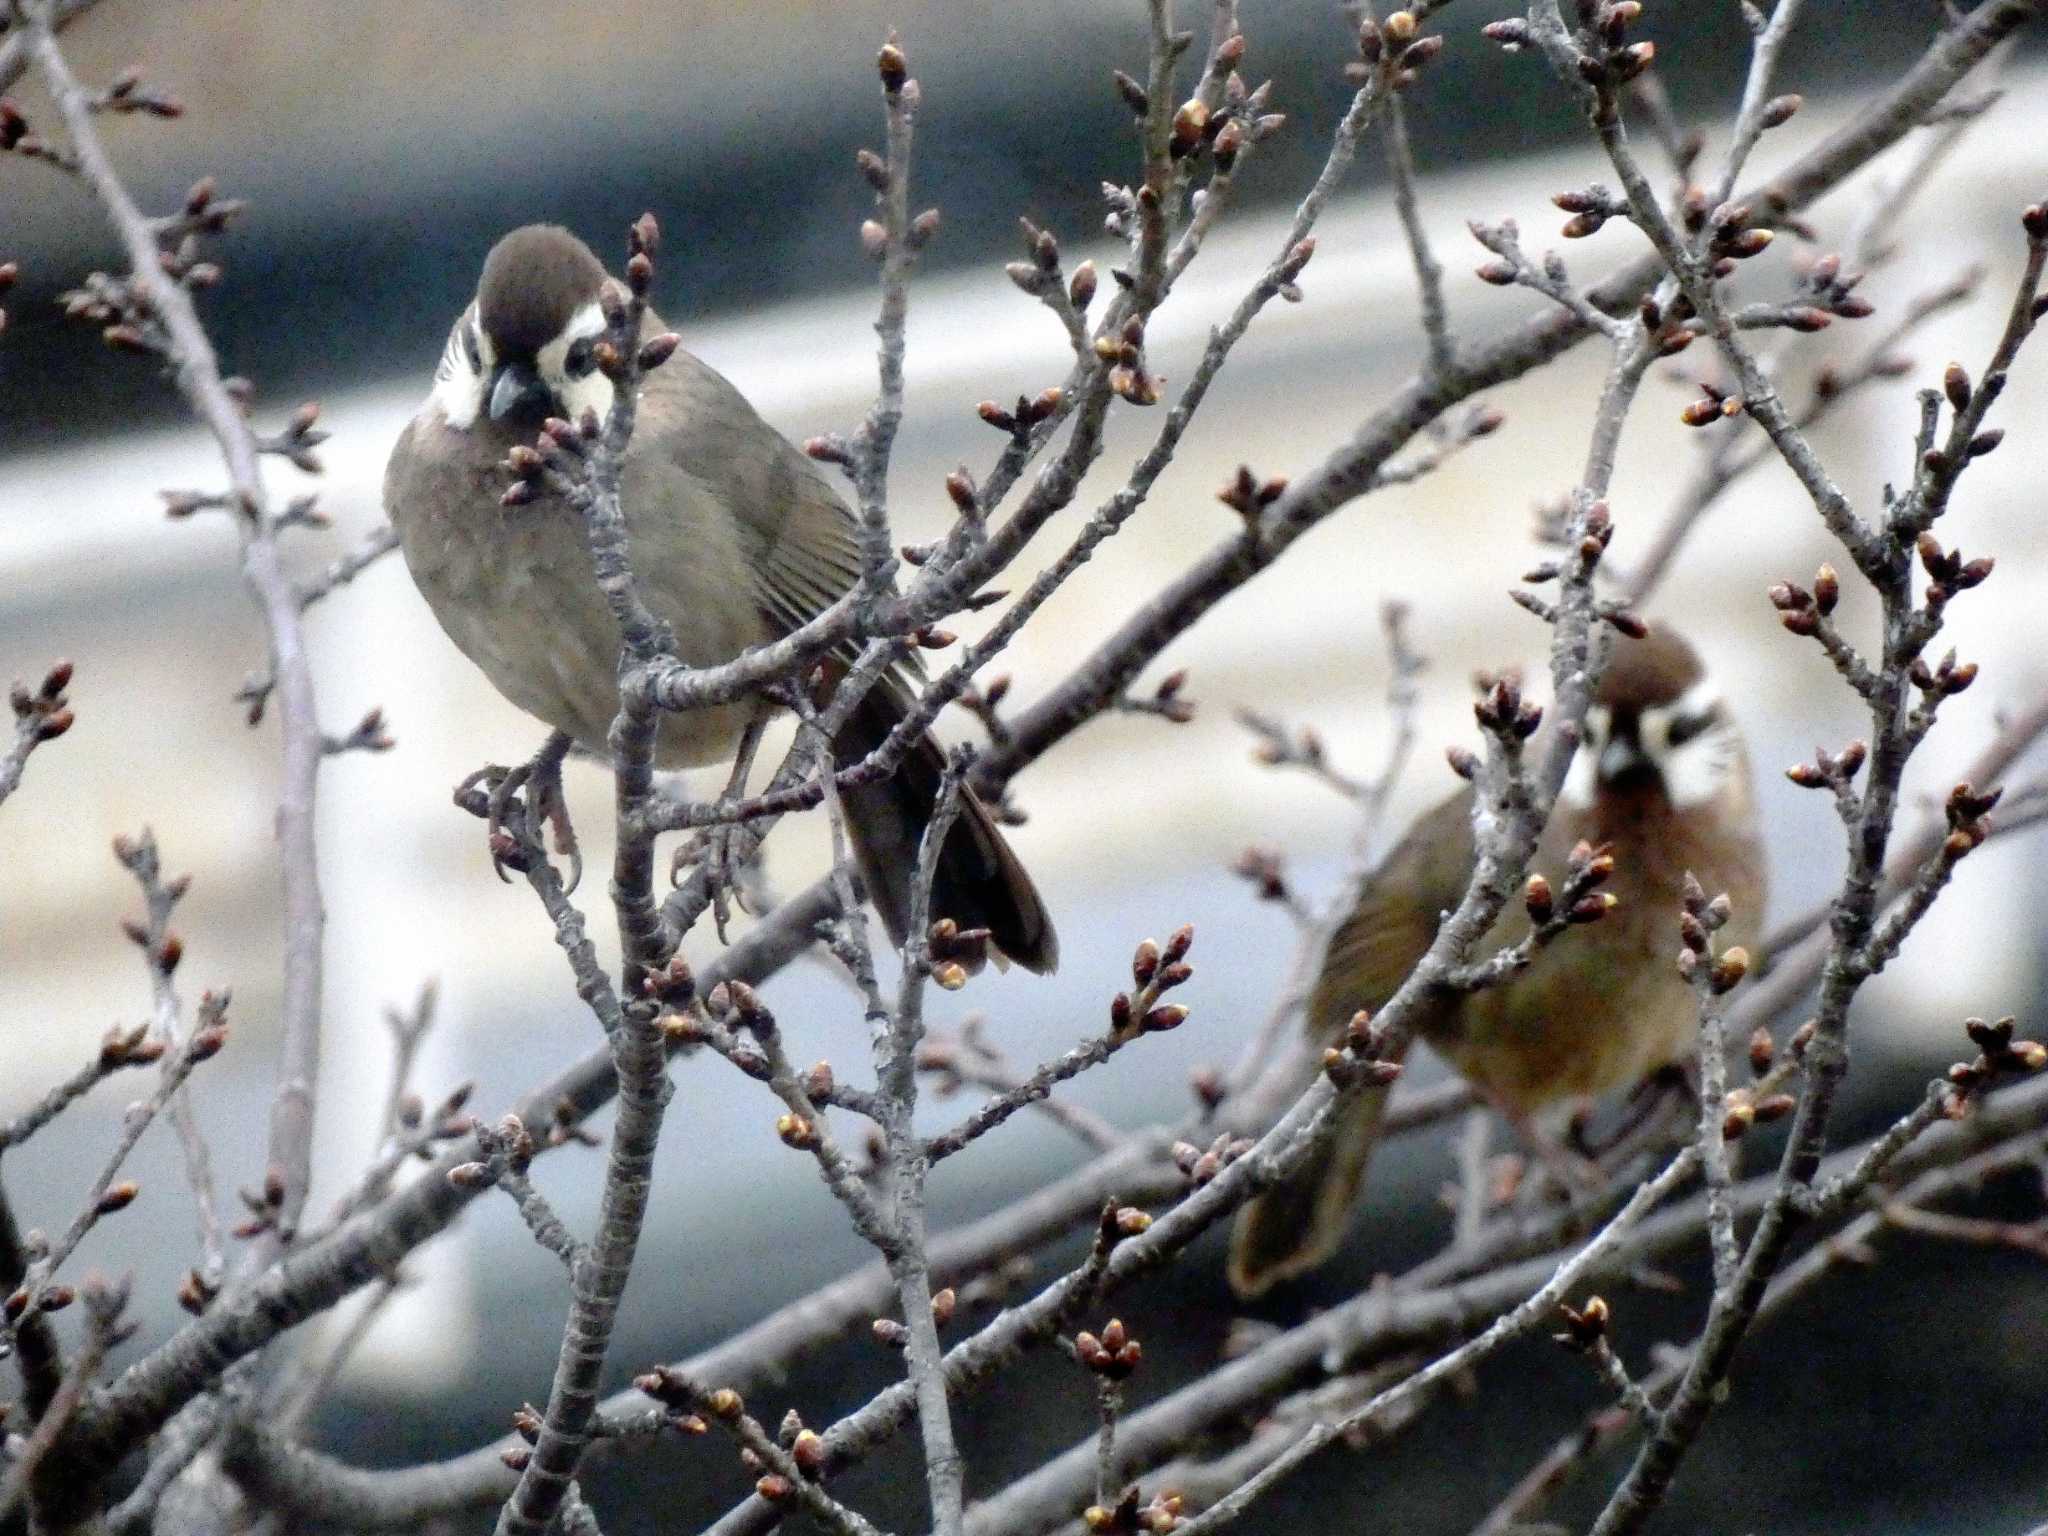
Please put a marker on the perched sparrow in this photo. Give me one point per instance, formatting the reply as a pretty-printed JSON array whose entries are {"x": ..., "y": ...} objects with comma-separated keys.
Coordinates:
[
  {"x": 735, "y": 537},
  {"x": 1662, "y": 781}
]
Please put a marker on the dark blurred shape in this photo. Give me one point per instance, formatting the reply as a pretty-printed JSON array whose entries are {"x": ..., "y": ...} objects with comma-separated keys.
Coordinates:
[{"x": 383, "y": 158}]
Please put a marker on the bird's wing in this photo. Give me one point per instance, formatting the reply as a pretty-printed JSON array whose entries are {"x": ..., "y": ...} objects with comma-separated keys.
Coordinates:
[
  {"x": 806, "y": 556},
  {"x": 1395, "y": 919},
  {"x": 800, "y": 540},
  {"x": 805, "y": 550},
  {"x": 1294, "y": 1226},
  {"x": 800, "y": 545}
]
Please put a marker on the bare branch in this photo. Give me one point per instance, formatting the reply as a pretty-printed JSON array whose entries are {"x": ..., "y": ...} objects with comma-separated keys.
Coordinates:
[
  {"x": 599, "y": 1270},
  {"x": 199, "y": 379},
  {"x": 1352, "y": 469},
  {"x": 39, "y": 716}
]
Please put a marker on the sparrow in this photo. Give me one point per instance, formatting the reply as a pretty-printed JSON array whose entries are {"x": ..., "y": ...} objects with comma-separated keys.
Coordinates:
[
  {"x": 735, "y": 537},
  {"x": 1662, "y": 782}
]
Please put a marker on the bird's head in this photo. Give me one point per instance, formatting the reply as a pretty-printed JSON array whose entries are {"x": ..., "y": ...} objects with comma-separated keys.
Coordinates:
[
  {"x": 523, "y": 351},
  {"x": 1657, "y": 726}
]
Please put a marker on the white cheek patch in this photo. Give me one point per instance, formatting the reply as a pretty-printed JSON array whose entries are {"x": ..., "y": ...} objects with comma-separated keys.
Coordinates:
[
  {"x": 593, "y": 391},
  {"x": 1582, "y": 779},
  {"x": 458, "y": 384},
  {"x": 1699, "y": 769}
]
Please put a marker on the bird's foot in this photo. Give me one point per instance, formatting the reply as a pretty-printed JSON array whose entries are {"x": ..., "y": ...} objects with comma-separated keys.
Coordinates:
[
  {"x": 516, "y": 801},
  {"x": 729, "y": 857},
  {"x": 728, "y": 851},
  {"x": 1578, "y": 1175}
]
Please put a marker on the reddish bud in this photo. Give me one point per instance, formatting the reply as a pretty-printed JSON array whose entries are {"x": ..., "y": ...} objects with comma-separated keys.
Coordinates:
[
  {"x": 645, "y": 235},
  {"x": 1145, "y": 963},
  {"x": 892, "y": 66},
  {"x": 657, "y": 350},
  {"x": 1590, "y": 909},
  {"x": 809, "y": 1453},
  {"x": 1729, "y": 969},
  {"x": 1827, "y": 589},
  {"x": 1955, "y": 383},
  {"x": 1779, "y": 110},
  {"x": 1774, "y": 1106}
]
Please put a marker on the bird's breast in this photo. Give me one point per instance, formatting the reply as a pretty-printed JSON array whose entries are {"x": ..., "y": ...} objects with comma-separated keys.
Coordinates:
[
  {"x": 1603, "y": 1006},
  {"x": 514, "y": 589}
]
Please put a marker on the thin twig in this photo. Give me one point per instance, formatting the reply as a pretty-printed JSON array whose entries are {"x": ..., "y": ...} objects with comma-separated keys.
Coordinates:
[
  {"x": 198, "y": 376},
  {"x": 101, "y": 1198},
  {"x": 1534, "y": 1311},
  {"x": 1352, "y": 469},
  {"x": 1850, "y": 1246},
  {"x": 601, "y": 1268}
]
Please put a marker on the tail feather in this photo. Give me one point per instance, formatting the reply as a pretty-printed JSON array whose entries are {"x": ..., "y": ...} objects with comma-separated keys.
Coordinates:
[
  {"x": 1296, "y": 1225},
  {"x": 979, "y": 883}
]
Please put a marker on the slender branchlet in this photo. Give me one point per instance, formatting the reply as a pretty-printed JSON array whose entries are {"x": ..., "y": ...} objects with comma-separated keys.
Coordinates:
[{"x": 220, "y": 1422}]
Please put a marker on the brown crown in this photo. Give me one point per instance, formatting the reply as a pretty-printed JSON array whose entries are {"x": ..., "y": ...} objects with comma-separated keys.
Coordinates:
[
  {"x": 1655, "y": 670},
  {"x": 534, "y": 280}
]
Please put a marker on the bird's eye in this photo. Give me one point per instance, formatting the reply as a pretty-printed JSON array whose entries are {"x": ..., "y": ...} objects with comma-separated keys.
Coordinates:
[
  {"x": 579, "y": 360},
  {"x": 1684, "y": 728},
  {"x": 470, "y": 349}
]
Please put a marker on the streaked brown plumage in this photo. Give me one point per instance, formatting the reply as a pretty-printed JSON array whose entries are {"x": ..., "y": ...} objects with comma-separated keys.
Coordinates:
[
  {"x": 736, "y": 539},
  {"x": 1597, "y": 1010}
]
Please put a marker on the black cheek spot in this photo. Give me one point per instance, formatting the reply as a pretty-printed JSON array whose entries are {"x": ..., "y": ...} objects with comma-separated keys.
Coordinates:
[{"x": 1685, "y": 727}]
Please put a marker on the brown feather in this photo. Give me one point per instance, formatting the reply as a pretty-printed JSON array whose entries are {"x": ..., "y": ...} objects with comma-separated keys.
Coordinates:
[
  {"x": 1595, "y": 1011},
  {"x": 979, "y": 882},
  {"x": 1296, "y": 1226},
  {"x": 736, "y": 538},
  {"x": 534, "y": 281}
]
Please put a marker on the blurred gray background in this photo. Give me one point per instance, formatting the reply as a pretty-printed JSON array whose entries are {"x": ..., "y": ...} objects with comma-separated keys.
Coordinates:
[{"x": 384, "y": 147}]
